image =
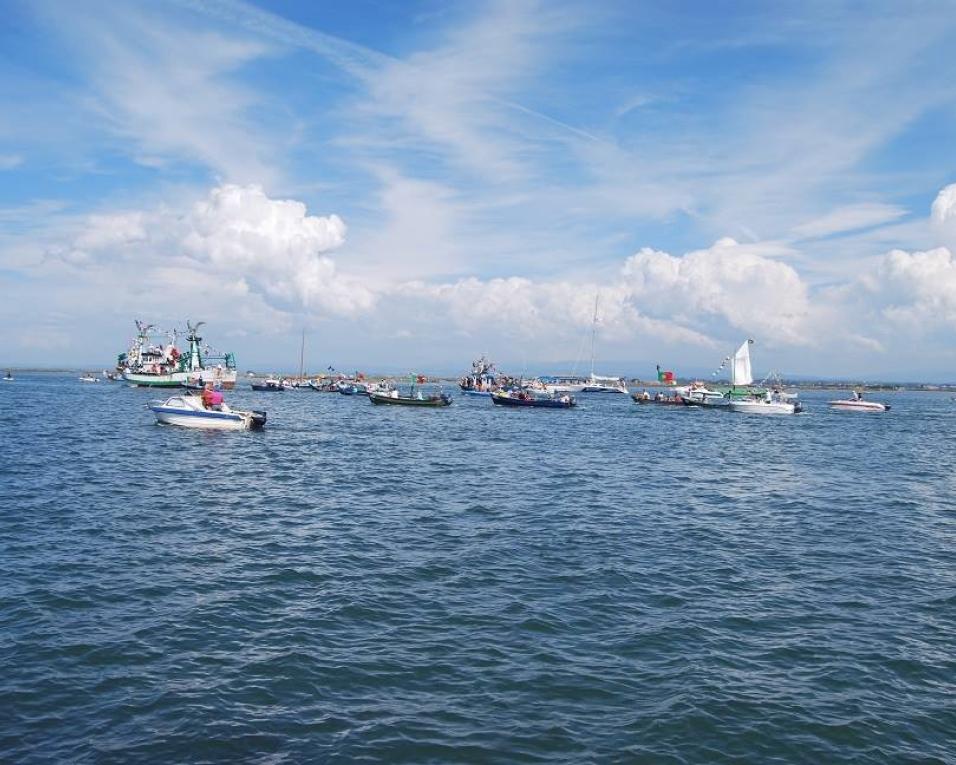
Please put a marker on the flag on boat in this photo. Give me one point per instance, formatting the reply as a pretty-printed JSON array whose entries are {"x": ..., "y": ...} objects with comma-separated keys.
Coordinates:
[{"x": 665, "y": 377}]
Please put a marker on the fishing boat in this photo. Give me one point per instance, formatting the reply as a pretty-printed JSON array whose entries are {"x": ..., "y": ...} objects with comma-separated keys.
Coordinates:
[
  {"x": 481, "y": 381},
  {"x": 416, "y": 398},
  {"x": 272, "y": 385},
  {"x": 857, "y": 404},
  {"x": 525, "y": 398},
  {"x": 153, "y": 365},
  {"x": 320, "y": 386},
  {"x": 658, "y": 400},
  {"x": 767, "y": 402},
  {"x": 187, "y": 411},
  {"x": 89, "y": 379}
]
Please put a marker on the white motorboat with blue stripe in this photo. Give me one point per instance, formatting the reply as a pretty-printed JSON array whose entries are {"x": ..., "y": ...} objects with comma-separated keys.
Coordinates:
[{"x": 188, "y": 411}]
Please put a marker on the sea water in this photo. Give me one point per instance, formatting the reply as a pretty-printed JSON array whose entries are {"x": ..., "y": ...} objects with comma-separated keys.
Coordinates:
[{"x": 614, "y": 583}]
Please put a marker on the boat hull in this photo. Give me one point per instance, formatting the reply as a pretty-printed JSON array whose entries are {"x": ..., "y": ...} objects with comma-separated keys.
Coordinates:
[
  {"x": 763, "y": 407},
  {"x": 666, "y": 402},
  {"x": 226, "y": 381},
  {"x": 262, "y": 388},
  {"x": 208, "y": 420},
  {"x": 481, "y": 393},
  {"x": 849, "y": 405},
  {"x": 533, "y": 403},
  {"x": 433, "y": 402}
]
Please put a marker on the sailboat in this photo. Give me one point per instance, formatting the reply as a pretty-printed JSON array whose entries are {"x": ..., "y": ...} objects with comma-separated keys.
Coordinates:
[
  {"x": 600, "y": 383},
  {"x": 767, "y": 403}
]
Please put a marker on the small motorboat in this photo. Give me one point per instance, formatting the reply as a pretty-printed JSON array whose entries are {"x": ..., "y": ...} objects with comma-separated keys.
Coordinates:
[
  {"x": 705, "y": 397},
  {"x": 858, "y": 405},
  {"x": 327, "y": 387},
  {"x": 270, "y": 385},
  {"x": 767, "y": 404},
  {"x": 89, "y": 379},
  {"x": 524, "y": 398},
  {"x": 188, "y": 412},
  {"x": 8, "y": 377},
  {"x": 414, "y": 399}
]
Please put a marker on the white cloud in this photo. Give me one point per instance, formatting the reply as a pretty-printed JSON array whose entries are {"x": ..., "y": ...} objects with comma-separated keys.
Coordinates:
[
  {"x": 10, "y": 161},
  {"x": 943, "y": 216},
  {"x": 849, "y": 218},
  {"x": 169, "y": 87},
  {"x": 916, "y": 289},
  {"x": 742, "y": 285},
  {"x": 277, "y": 246}
]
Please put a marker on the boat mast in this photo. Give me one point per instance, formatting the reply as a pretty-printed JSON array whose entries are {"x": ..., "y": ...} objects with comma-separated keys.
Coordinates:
[
  {"x": 594, "y": 330},
  {"x": 302, "y": 357}
]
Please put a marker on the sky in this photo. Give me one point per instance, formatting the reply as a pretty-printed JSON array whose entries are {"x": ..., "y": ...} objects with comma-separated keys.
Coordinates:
[{"x": 417, "y": 183}]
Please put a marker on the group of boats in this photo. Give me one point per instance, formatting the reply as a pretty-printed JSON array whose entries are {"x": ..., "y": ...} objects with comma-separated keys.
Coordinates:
[
  {"x": 742, "y": 396},
  {"x": 198, "y": 371}
]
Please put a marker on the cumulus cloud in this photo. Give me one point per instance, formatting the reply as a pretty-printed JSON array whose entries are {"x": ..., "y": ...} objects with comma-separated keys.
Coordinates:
[
  {"x": 741, "y": 284},
  {"x": 943, "y": 216},
  {"x": 916, "y": 288},
  {"x": 277, "y": 246},
  {"x": 237, "y": 234}
]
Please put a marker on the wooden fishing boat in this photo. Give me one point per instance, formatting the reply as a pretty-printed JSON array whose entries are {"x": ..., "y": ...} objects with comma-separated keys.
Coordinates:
[
  {"x": 667, "y": 401},
  {"x": 416, "y": 399},
  {"x": 524, "y": 399}
]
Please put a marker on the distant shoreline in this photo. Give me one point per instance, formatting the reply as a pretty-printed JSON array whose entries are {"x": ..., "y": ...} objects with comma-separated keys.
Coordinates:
[{"x": 807, "y": 385}]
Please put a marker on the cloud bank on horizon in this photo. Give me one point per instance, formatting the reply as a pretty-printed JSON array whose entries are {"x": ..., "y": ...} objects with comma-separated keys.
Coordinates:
[{"x": 422, "y": 184}]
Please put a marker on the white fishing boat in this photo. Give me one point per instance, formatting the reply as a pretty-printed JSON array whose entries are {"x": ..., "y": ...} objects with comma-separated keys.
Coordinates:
[
  {"x": 188, "y": 411},
  {"x": 89, "y": 379},
  {"x": 755, "y": 403},
  {"x": 857, "y": 404},
  {"x": 148, "y": 364}
]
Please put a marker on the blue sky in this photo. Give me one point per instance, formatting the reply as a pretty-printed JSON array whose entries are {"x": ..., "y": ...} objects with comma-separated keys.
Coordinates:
[{"x": 416, "y": 183}]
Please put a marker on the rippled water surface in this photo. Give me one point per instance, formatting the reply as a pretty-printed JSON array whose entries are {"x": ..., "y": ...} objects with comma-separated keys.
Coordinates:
[{"x": 609, "y": 584}]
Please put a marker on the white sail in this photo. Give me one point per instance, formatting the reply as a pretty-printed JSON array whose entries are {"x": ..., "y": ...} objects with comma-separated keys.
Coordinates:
[{"x": 740, "y": 373}]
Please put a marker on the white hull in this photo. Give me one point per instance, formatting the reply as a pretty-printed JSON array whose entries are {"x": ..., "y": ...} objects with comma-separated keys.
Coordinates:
[
  {"x": 849, "y": 405},
  {"x": 188, "y": 421},
  {"x": 564, "y": 388},
  {"x": 188, "y": 412},
  {"x": 604, "y": 389},
  {"x": 762, "y": 407},
  {"x": 708, "y": 398}
]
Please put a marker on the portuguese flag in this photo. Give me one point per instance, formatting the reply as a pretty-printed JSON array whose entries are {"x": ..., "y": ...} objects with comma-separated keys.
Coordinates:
[{"x": 667, "y": 378}]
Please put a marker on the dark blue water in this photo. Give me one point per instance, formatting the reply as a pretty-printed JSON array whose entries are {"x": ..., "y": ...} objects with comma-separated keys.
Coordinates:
[{"x": 374, "y": 584}]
